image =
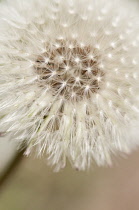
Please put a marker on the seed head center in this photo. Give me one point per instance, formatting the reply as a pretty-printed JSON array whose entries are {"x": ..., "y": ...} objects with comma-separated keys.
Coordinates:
[{"x": 70, "y": 70}]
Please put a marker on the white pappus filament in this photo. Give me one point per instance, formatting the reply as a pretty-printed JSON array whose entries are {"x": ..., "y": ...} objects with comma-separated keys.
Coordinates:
[{"x": 69, "y": 78}]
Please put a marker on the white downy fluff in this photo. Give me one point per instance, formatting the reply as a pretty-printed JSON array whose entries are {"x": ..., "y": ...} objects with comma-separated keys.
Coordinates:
[{"x": 69, "y": 78}]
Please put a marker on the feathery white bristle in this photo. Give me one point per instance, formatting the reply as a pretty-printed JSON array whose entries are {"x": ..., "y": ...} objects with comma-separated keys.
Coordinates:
[{"x": 69, "y": 78}]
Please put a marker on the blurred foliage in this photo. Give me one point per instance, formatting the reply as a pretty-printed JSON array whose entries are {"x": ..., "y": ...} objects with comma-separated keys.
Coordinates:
[{"x": 34, "y": 186}]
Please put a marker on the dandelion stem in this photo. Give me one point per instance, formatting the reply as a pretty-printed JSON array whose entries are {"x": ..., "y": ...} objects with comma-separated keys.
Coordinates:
[{"x": 11, "y": 167}]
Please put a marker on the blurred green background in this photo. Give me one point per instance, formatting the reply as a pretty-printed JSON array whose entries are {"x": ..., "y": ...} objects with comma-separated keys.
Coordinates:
[{"x": 34, "y": 186}]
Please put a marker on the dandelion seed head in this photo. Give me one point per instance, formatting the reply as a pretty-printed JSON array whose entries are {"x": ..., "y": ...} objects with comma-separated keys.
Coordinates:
[{"x": 69, "y": 78}]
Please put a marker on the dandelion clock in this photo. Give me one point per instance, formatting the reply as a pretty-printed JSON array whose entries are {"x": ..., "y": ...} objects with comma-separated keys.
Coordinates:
[{"x": 69, "y": 78}]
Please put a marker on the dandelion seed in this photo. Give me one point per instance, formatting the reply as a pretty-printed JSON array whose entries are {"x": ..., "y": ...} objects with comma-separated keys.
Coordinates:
[{"x": 69, "y": 78}]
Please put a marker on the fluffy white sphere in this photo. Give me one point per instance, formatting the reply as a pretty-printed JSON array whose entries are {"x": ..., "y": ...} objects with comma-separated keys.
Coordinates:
[{"x": 69, "y": 78}]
